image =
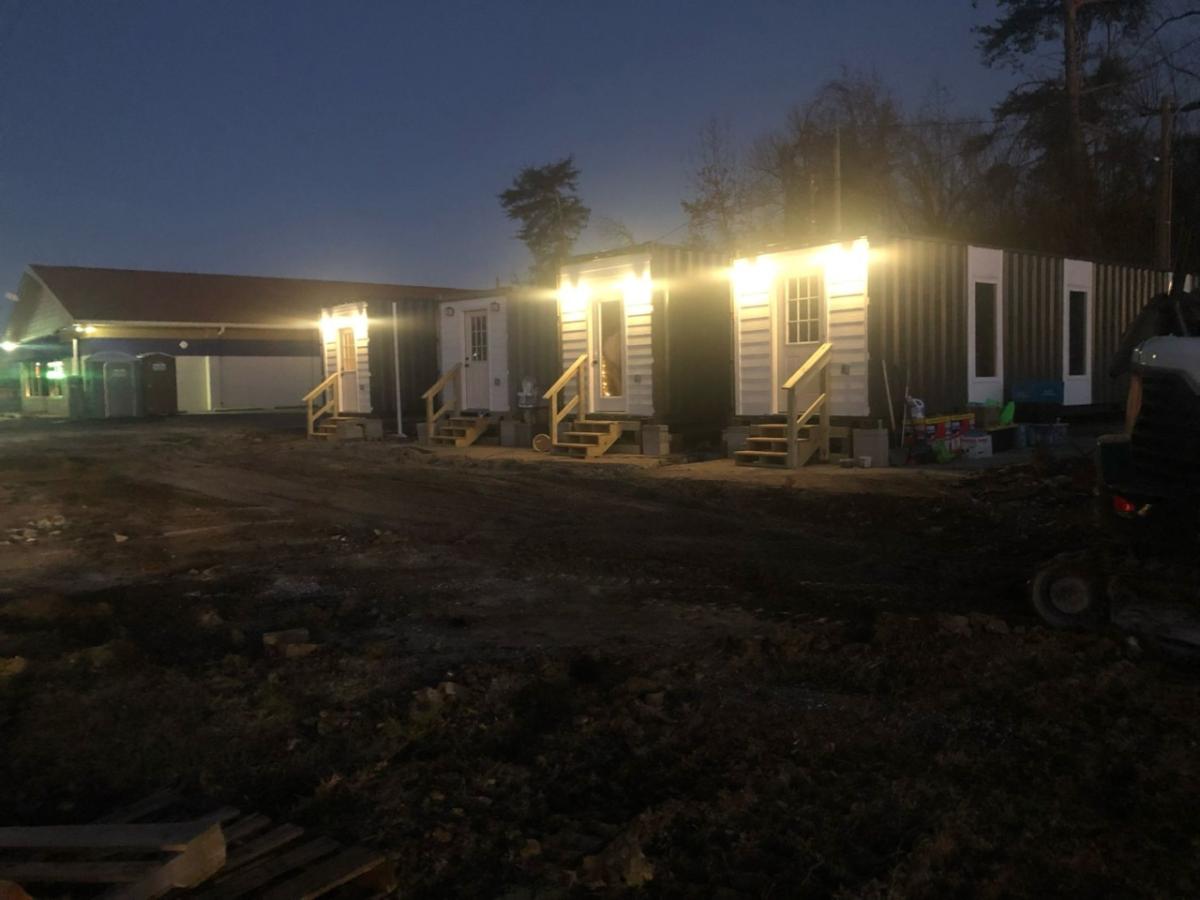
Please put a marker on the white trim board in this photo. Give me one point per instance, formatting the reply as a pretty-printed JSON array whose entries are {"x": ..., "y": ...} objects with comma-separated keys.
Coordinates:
[
  {"x": 987, "y": 266},
  {"x": 1078, "y": 275}
]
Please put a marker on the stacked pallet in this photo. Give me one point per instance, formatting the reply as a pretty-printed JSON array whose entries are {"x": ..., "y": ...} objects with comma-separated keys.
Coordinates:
[{"x": 154, "y": 848}]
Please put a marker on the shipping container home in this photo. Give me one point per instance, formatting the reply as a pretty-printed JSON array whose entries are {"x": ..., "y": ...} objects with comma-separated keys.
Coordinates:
[
  {"x": 828, "y": 333},
  {"x": 496, "y": 355},
  {"x": 644, "y": 338},
  {"x": 379, "y": 352}
]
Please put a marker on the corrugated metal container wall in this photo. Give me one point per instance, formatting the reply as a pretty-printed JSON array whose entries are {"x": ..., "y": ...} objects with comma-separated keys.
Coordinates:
[
  {"x": 416, "y": 324},
  {"x": 916, "y": 323},
  {"x": 1121, "y": 293},
  {"x": 532, "y": 341},
  {"x": 1033, "y": 337},
  {"x": 692, "y": 338}
]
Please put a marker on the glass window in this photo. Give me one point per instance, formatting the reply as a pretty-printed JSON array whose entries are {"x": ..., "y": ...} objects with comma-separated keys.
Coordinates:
[
  {"x": 803, "y": 307},
  {"x": 1077, "y": 327},
  {"x": 986, "y": 332},
  {"x": 479, "y": 352}
]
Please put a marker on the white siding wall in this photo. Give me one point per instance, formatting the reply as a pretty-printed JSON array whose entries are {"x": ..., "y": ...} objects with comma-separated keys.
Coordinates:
[
  {"x": 348, "y": 315},
  {"x": 452, "y": 343},
  {"x": 192, "y": 384},
  {"x": 218, "y": 383},
  {"x": 639, "y": 357},
  {"x": 757, "y": 291},
  {"x": 626, "y": 277},
  {"x": 846, "y": 319},
  {"x": 573, "y": 325},
  {"x": 753, "y": 352}
]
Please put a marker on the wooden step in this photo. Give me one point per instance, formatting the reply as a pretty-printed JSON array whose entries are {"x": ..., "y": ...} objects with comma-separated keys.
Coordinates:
[{"x": 597, "y": 426}]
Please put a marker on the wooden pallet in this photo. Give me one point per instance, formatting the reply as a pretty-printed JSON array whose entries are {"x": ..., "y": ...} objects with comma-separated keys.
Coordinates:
[{"x": 218, "y": 855}]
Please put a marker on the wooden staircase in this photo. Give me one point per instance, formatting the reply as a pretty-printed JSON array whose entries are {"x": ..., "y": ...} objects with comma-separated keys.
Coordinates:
[
  {"x": 347, "y": 428},
  {"x": 460, "y": 430},
  {"x": 768, "y": 446},
  {"x": 794, "y": 441},
  {"x": 587, "y": 438}
]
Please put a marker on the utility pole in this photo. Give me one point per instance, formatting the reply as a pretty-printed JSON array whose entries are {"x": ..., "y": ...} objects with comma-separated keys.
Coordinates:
[
  {"x": 1165, "y": 185},
  {"x": 837, "y": 181}
]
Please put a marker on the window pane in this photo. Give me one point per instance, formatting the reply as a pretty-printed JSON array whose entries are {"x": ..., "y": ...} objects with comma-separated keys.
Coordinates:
[
  {"x": 1077, "y": 311},
  {"x": 985, "y": 330},
  {"x": 612, "y": 353}
]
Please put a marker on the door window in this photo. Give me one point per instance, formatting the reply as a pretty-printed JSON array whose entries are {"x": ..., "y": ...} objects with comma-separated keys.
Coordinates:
[
  {"x": 478, "y": 338},
  {"x": 1077, "y": 328},
  {"x": 986, "y": 332},
  {"x": 346, "y": 355},
  {"x": 803, "y": 308},
  {"x": 612, "y": 368}
]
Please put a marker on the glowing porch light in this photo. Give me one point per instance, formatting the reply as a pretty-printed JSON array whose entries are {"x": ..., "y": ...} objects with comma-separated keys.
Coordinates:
[
  {"x": 638, "y": 293},
  {"x": 328, "y": 328},
  {"x": 361, "y": 324},
  {"x": 8, "y": 346},
  {"x": 847, "y": 263},
  {"x": 573, "y": 299},
  {"x": 752, "y": 278}
]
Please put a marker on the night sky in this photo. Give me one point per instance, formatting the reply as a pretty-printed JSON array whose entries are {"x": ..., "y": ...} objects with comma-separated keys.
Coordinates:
[{"x": 368, "y": 140}]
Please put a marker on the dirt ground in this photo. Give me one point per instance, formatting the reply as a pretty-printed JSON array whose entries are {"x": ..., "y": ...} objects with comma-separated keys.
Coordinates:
[{"x": 530, "y": 678}]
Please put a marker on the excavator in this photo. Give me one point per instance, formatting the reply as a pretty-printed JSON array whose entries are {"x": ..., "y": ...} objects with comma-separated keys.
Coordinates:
[{"x": 1141, "y": 569}]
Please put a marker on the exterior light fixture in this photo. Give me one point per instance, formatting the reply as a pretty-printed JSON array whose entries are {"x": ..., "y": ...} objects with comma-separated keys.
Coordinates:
[
  {"x": 7, "y": 346},
  {"x": 495, "y": 306},
  {"x": 449, "y": 310}
]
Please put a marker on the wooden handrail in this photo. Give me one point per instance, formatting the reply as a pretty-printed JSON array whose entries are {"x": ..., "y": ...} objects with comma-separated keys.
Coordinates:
[
  {"x": 818, "y": 358},
  {"x": 452, "y": 372},
  {"x": 450, "y": 404},
  {"x": 311, "y": 395},
  {"x": 575, "y": 370},
  {"x": 565, "y": 377},
  {"x": 330, "y": 405},
  {"x": 817, "y": 364}
]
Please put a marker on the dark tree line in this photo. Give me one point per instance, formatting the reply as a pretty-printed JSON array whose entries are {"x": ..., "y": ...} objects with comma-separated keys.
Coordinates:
[{"x": 1069, "y": 161}]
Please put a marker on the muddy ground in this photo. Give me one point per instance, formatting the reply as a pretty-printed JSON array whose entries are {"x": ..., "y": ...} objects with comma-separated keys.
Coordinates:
[{"x": 539, "y": 679}]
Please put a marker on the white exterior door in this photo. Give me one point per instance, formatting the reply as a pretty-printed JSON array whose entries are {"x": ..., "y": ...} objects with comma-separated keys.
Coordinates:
[
  {"x": 347, "y": 361},
  {"x": 800, "y": 331},
  {"x": 985, "y": 325},
  {"x": 609, "y": 375},
  {"x": 477, "y": 376},
  {"x": 1078, "y": 332}
]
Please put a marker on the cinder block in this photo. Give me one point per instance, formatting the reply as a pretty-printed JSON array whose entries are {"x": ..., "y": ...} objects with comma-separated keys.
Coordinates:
[
  {"x": 734, "y": 438},
  {"x": 423, "y": 433},
  {"x": 656, "y": 440},
  {"x": 515, "y": 433}
]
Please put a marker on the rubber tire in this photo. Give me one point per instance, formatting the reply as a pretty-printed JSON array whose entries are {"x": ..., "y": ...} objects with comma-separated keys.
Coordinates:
[{"x": 1068, "y": 594}]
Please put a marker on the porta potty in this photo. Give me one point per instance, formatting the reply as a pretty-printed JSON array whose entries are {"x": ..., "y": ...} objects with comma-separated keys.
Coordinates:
[
  {"x": 111, "y": 385},
  {"x": 159, "y": 394}
]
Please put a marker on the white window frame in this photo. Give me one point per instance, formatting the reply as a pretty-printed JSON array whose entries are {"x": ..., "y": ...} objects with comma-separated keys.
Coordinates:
[
  {"x": 1078, "y": 275},
  {"x": 985, "y": 265},
  {"x": 815, "y": 318}
]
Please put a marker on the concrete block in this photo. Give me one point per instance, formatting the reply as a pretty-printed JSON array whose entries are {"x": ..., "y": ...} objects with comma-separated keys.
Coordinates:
[
  {"x": 423, "y": 433},
  {"x": 656, "y": 440},
  {"x": 734, "y": 438},
  {"x": 515, "y": 433}
]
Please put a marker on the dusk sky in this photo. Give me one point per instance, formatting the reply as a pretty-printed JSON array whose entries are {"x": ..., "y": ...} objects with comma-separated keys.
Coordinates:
[{"x": 368, "y": 140}]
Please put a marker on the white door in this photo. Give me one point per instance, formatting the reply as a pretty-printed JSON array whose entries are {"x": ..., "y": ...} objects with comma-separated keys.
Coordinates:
[
  {"x": 801, "y": 331},
  {"x": 608, "y": 356},
  {"x": 477, "y": 376},
  {"x": 347, "y": 360},
  {"x": 1077, "y": 332}
]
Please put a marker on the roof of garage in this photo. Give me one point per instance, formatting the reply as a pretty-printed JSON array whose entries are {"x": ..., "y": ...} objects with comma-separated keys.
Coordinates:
[{"x": 137, "y": 295}]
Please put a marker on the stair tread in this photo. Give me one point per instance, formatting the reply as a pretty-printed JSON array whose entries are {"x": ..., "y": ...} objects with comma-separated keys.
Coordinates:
[{"x": 761, "y": 452}]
